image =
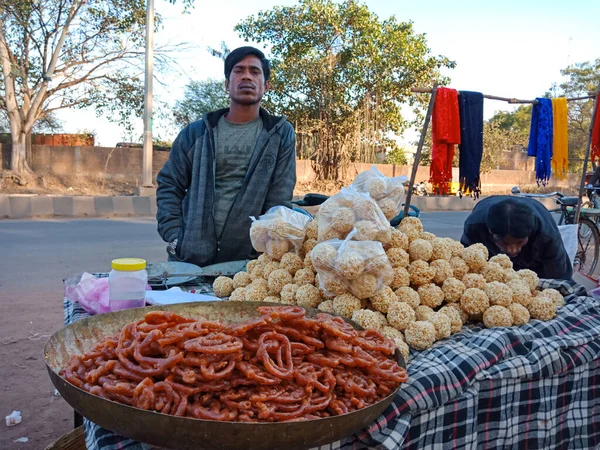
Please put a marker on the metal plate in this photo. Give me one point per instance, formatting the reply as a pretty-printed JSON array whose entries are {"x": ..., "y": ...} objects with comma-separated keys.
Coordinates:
[
  {"x": 181, "y": 432},
  {"x": 156, "y": 270},
  {"x": 226, "y": 269}
]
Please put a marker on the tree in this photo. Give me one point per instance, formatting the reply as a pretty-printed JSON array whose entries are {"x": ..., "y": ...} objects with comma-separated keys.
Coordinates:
[
  {"x": 396, "y": 155},
  {"x": 340, "y": 74},
  {"x": 517, "y": 122},
  {"x": 200, "y": 97},
  {"x": 425, "y": 159},
  {"x": 161, "y": 144},
  {"x": 58, "y": 54},
  {"x": 502, "y": 132},
  {"x": 582, "y": 78},
  {"x": 48, "y": 124},
  {"x": 496, "y": 140}
]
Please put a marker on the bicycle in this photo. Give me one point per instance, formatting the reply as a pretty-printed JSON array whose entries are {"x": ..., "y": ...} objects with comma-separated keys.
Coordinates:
[{"x": 588, "y": 232}]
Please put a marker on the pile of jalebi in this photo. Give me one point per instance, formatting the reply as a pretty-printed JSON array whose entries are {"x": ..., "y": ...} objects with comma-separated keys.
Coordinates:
[{"x": 281, "y": 366}]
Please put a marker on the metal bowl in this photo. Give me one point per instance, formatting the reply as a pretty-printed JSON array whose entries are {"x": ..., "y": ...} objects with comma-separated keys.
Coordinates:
[{"x": 181, "y": 432}]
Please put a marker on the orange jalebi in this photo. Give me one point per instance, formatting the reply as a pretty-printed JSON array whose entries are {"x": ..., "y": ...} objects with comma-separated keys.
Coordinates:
[{"x": 281, "y": 366}]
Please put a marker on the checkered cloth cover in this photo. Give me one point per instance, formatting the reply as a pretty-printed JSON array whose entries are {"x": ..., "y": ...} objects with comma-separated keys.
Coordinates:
[{"x": 535, "y": 386}]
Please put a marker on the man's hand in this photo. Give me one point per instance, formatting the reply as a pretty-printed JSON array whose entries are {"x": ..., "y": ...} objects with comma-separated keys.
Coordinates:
[{"x": 172, "y": 247}]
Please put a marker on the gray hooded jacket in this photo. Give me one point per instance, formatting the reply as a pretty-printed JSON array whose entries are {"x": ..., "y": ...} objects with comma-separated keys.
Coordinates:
[{"x": 186, "y": 190}]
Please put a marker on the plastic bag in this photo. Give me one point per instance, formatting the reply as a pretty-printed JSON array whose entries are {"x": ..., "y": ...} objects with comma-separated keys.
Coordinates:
[
  {"x": 93, "y": 294},
  {"x": 13, "y": 418},
  {"x": 278, "y": 231},
  {"x": 387, "y": 192},
  {"x": 359, "y": 267},
  {"x": 568, "y": 233},
  {"x": 351, "y": 210}
]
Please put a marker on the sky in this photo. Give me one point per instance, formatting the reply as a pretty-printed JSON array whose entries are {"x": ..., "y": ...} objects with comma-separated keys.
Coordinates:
[{"x": 509, "y": 48}]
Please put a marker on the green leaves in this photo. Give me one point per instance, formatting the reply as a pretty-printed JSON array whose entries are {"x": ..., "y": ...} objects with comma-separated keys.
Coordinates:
[
  {"x": 200, "y": 97},
  {"x": 581, "y": 79},
  {"x": 73, "y": 54},
  {"x": 341, "y": 74},
  {"x": 496, "y": 141},
  {"x": 396, "y": 155}
]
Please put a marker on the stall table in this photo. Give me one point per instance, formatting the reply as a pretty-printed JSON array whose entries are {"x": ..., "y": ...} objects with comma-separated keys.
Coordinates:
[{"x": 535, "y": 386}]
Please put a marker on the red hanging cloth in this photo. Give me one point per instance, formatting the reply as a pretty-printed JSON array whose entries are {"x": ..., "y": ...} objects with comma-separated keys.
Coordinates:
[
  {"x": 445, "y": 129},
  {"x": 596, "y": 138}
]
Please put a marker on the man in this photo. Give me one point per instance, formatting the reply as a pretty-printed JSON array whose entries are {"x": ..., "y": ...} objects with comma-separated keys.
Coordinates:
[
  {"x": 234, "y": 163},
  {"x": 523, "y": 229},
  {"x": 595, "y": 182}
]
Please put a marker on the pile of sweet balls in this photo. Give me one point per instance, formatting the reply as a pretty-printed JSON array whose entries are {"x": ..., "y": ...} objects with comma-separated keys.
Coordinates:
[{"x": 436, "y": 286}]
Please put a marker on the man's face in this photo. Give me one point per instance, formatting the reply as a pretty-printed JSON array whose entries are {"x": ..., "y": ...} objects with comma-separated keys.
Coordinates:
[
  {"x": 510, "y": 245},
  {"x": 246, "y": 82}
]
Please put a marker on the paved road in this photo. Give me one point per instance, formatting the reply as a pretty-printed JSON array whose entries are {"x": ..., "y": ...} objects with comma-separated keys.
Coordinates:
[
  {"x": 445, "y": 224},
  {"x": 36, "y": 256}
]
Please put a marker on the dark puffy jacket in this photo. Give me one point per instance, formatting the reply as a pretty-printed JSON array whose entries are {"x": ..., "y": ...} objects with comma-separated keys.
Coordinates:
[
  {"x": 186, "y": 190},
  {"x": 544, "y": 253}
]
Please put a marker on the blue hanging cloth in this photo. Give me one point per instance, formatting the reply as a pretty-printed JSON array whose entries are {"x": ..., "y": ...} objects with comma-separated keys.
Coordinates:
[{"x": 540, "y": 139}]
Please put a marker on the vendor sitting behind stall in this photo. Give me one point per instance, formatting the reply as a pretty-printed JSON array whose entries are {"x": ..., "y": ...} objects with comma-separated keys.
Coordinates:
[
  {"x": 523, "y": 229},
  {"x": 232, "y": 164},
  {"x": 595, "y": 183}
]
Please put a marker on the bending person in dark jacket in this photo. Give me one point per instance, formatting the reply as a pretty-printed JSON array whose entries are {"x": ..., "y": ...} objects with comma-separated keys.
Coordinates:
[
  {"x": 232, "y": 164},
  {"x": 523, "y": 229}
]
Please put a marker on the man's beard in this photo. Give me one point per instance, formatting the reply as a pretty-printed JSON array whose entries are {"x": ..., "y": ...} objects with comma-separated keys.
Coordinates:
[{"x": 246, "y": 101}]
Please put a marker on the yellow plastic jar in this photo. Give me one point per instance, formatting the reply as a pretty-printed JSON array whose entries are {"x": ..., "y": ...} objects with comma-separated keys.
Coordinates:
[{"x": 127, "y": 283}]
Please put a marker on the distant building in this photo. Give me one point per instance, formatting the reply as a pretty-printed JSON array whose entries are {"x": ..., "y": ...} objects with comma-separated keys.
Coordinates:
[{"x": 61, "y": 140}]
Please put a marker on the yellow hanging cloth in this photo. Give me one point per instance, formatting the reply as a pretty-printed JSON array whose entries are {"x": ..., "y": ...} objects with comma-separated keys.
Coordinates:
[{"x": 560, "y": 141}]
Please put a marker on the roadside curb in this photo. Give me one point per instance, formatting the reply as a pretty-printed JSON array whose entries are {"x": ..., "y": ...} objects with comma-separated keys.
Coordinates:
[
  {"x": 30, "y": 206},
  {"x": 24, "y": 206}
]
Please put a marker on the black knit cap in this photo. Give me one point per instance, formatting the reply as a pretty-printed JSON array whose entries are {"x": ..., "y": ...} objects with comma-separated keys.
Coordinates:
[
  {"x": 240, "y": 53},
  {"x": 511, "y": 217}
]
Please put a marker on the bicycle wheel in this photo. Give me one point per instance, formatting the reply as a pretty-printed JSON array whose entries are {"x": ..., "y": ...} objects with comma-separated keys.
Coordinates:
[{"x": 588, "y": 247}]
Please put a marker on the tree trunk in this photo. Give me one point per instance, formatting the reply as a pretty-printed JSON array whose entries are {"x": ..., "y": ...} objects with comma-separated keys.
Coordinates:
[
  {"x": 28, "y": 150},
  {"x": 18, "y": 160}
]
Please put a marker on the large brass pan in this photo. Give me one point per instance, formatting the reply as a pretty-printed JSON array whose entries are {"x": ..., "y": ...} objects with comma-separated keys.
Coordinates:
[{"x": 187, "y": 433}]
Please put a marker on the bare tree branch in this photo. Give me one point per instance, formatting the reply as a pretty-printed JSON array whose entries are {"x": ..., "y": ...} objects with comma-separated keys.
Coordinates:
[
  {"x": 40, "y": 95},
  {"x": 9, "y": 82}
]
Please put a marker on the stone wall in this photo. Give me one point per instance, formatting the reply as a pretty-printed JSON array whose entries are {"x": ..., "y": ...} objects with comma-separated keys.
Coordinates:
[
  {"x": 494, "y": 181},
  {"x": 113, "y": 162},
  {"x": 127, "y": 162}
]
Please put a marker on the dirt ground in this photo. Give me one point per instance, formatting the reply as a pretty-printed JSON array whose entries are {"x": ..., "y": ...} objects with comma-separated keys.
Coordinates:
[
  {"x": 50, "y": 184},
  {"x": 25, "y": 384}
]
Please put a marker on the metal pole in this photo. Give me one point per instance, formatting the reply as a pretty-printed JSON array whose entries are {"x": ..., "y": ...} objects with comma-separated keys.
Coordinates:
[
  {"x": 413, "y": 174},
  {"x": 587, "y": 155},
  {"x": 147, "y": 153}
]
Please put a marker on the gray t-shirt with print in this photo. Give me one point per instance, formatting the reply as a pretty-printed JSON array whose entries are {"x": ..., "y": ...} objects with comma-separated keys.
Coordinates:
[{"x": 235, "y": 144}]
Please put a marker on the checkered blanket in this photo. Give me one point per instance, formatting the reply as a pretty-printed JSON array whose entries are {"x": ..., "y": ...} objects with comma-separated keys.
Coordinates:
[{"x": 535, "y": 386}]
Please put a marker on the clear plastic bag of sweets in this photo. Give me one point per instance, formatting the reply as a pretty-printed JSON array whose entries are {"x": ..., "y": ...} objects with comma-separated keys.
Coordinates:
[
  {"x": 387, "y": 192},
  {"x": 278, "y": 231},
  {"x": 358, "y": 267},
  {"x": 349, "y": 210}
]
